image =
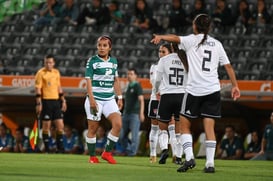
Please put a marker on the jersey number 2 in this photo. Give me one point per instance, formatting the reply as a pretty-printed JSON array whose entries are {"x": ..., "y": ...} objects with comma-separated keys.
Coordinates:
[{"x": 206, "y": 59}]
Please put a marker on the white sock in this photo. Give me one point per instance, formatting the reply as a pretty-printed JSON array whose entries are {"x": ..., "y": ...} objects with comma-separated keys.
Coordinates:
[
  {"x": 179, "y": 147},
  {"x": 153, "y": 138},
  {"x": 187, "y": 146},
  {"x": 173, "y": 141},
  {"x": 163, "y": 139},
  {"x": 210, "y": 152}
]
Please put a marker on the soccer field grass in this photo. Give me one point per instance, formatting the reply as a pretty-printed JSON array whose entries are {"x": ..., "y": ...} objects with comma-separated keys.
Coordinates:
[{"x": 62, "y": 167}]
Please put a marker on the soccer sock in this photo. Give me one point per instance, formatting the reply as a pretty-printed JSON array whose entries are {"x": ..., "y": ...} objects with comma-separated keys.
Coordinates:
[
  {"x": 153, "y": 138},
  {"x": 187, "y": 146},
  {"x": 163, "y": 139},
  {"x": 111, "y": 142},
  {"x": 46, "y": 141},
  {"x": 91, "y": 145},
  {"x": 173, "y": 141},
  {"x": 210, "y": 152},
  {"x": 60, "y": 141},
  {"x": 179, "y": 148}
]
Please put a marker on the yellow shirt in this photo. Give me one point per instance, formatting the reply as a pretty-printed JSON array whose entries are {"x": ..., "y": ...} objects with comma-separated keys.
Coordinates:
[{"x": 49, "y": 83}]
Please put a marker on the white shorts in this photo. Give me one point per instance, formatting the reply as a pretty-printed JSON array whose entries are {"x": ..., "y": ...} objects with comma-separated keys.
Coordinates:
[{"x": 104, "y": 107}]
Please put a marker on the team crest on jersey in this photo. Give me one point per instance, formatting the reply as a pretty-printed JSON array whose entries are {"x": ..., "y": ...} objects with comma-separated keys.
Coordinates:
[{"x": 155, "y": 111}]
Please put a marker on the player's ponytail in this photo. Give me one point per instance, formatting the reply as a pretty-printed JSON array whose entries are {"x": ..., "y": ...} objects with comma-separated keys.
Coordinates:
[
  {"x": 203, "y": 24},
  {"x": 182, "y": 55}
]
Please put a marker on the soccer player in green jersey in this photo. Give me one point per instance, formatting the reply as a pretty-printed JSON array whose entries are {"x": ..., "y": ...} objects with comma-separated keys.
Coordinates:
[{"x": 102, "y": 84}]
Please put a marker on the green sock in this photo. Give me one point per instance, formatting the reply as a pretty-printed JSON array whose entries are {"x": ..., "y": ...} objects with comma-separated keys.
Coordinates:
[
  {"x": 91, "y": 148},
  {"x": 109, "y": 145}
]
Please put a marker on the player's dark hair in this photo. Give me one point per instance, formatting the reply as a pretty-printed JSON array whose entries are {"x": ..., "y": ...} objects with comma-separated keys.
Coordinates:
[
  {"x": 49, "y": 56},
  {"x": 181, "y": 54},
  {"x": 106, "y": 37},
  {"x": 133, "y": 69},
  {"x": 168, "y": 46},
  {"x": 203, "y": 24}
]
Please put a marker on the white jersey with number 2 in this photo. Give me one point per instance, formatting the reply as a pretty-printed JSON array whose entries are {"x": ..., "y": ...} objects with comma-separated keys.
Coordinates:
[{"x": 203, "y": 63}]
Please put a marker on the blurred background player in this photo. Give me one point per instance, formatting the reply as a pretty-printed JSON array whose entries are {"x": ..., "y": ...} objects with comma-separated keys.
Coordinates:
[
  {"x": 133, "y": 114},
  {"x": 170, "y": 85}
]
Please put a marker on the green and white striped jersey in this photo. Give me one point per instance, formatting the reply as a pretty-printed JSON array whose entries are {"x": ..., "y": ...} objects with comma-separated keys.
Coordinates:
[{"x": 102, "y": 73}]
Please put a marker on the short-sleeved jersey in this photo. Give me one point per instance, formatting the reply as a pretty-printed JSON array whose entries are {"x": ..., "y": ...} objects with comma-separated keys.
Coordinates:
[
  {"x": 231, "y": 148},
  {"x": 102, "y": 73},
  {"x": 131, "y": 105},
  {"x": 268, "y": 136},
  {"x": 49, "y": 83},
  {"x": 6, "y": 141},
  {"x": 203, "y": 63},
  {"x": 253, "y": 147},
  {"x": 173, "y": 74},
  {"x": 70, "y": 143},
  {"x": 153, "y": 70}
]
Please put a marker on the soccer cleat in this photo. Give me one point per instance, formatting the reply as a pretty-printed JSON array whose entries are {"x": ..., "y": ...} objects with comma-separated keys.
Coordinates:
[
  {"x": 209, "y": 170},
  {"x": 164, "y": 156},
  {"x": 186, "y": 165},
  {"x": 108, "y": 157},
  {"x": 93, "y": 159},
  {"x": 152, "y": 159},
  {"x": 178, "y": 161}
]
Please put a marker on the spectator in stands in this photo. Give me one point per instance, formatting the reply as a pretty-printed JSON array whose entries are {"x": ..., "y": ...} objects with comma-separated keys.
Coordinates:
[
  {"x": 49, "y": 12},
  {"x": 133, "y": 114},
  {"x": 231, "y": 147},
  {"x": 199, "y": 8},
  {"x": 6, "y": 139},
  {"x": 177, "y": 16},
  {"x": 97, "y": 15},
  {"x": 243, "y": 13},
  {"x": 71, "y": 141},
  {"x": 21, "y": 141},
  {"x": 254, "y": 147},
  {"x": 222, "y": 14},
  {"x": 115, "y": 13},
  {"x": 143, "y": 16},
  {"x": 260, "y": 16},
  {"x": 266, "y": 152},
  {"x": 69, "y": 13},
  {"x": 50, "y": 101}
]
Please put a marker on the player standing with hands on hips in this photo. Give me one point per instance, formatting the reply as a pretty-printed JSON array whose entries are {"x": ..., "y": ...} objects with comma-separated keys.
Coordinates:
[
  {"x": 102, "y": 83},
  {"x": 202, "y": 97}
]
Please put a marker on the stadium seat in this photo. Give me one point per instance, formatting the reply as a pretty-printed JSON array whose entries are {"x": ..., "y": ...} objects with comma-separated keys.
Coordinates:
[
  {"x": 249, "y": 75},
  {"x": 257, "y": 64},
  {"x": 238, "y": 63}
]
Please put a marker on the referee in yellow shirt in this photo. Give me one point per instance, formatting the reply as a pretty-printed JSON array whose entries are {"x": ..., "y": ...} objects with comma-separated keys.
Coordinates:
[{"x": 50, "y": 101}]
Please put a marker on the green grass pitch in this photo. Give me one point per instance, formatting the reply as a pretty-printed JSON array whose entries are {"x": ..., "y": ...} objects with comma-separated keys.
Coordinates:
[{"x": 62, "y": 167}]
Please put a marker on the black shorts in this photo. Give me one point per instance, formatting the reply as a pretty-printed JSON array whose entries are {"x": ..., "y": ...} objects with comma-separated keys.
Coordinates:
[
  {"x": 51, "y": 110},
  {"x": 208, "y": 106},
  {"x": 152, "y": 109},
  {"x": 169, "y": 105}
]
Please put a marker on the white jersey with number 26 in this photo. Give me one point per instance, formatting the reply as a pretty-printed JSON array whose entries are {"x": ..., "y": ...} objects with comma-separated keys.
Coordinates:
[
  {"x": 172, "y": 73},
  {"x": 203, "y": 63}
]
